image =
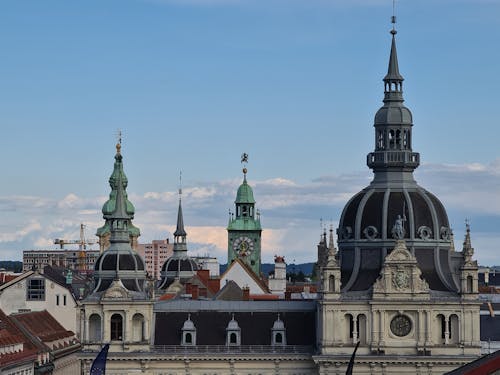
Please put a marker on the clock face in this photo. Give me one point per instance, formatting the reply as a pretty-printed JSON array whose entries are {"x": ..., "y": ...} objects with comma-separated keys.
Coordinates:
[
  {"x": 401, "y": 325},
  {"x": 243, "y": 246}
]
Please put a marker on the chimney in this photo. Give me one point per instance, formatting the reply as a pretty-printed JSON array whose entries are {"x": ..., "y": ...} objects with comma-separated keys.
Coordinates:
[
  {"x": 189, "y": 288},
  {"x": 246, "y": 293},
  {"x": 288, "y": 295},
  {"x": 194, "y": 292}
]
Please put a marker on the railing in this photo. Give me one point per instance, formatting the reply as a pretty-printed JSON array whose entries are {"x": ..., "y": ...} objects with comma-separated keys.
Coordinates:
[{"x": 241, "y": 349}]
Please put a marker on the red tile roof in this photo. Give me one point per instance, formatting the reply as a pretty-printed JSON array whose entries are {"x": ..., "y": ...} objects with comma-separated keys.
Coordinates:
[
  {"x": 43, "y": 325},
  {"x": 10, "y": 334}
]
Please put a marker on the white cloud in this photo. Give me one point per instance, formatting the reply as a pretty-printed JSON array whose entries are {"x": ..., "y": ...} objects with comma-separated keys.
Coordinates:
[{"x": 291, "y": 211}]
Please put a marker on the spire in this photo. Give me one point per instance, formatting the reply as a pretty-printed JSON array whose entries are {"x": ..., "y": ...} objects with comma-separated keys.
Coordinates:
[
  {"x": 467, "y": 250},
  {"x": 393, "y": 158},
  {"x": 393, "y": 80},
  {"x": 331, "y": 246},
  {"x": 180, "y": 232}
]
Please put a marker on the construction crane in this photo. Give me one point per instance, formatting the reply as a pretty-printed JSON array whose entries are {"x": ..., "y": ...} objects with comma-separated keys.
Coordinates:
[{"x": 82, "y": 246}]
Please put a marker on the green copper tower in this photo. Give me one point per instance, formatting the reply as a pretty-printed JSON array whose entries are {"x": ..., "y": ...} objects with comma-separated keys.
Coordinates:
[{"x": 244, "y": 230}]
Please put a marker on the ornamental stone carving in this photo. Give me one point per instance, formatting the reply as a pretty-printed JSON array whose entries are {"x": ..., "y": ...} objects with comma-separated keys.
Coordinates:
[
  {"x": 400, "y": 279},
  {"x": 400, "y": 276},
  {"x": 116, "y": 291}
]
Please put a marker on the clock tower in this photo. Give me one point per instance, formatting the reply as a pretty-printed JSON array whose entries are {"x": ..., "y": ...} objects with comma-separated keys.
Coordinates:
[{"x": 244, "y": 230}]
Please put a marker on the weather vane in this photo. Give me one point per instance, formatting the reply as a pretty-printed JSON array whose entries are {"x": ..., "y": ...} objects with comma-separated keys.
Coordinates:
[
  {"x": 180, "y": 184},
  {"x": 393, "y": 18},
  {"x": 244, "y": 158},
  {"x": 119, "y": 136}
]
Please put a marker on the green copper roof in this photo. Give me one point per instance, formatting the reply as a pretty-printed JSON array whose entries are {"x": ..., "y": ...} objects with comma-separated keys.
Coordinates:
[
  {"x": 124, "y": 209},
  {"x": 244, "y": 224},
  {"x": 245, "y": 193}
]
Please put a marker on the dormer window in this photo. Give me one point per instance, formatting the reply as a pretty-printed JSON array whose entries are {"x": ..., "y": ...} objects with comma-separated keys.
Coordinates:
[
  {"x": 233, "y": 333},
  {"x": 188, "y": 332},
  {"x": 278, "y": 333}
]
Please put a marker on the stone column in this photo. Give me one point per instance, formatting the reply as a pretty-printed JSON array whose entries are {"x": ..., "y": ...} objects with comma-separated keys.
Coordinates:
[
  {"x": 382, "y": 329},
  {"x": 355, "y": 329},
  {"x": 428, "y": 340},
  {"x": 446, "y": 330}
]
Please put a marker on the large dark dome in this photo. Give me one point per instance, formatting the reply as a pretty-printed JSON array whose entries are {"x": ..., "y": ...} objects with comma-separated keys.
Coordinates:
[
  {"x": 123, "y": 264},
  {"x": 394, "y": 206},
  {"x": 365, "y": 235}
]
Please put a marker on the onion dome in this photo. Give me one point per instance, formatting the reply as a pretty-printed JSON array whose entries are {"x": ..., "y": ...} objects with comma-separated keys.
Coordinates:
[
  {"x": 394, "y": 206},
  {"x": 232, "y": 325},
  {"x": 118, "y": 179},
  {"x": 179, "y": 266},
  {"x": 119, "y": 261}
]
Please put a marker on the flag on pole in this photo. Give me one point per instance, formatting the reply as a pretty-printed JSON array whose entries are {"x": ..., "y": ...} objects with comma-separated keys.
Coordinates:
[
  {"x": 351, "y": 362},
  {"x": 99, "y": 364}
]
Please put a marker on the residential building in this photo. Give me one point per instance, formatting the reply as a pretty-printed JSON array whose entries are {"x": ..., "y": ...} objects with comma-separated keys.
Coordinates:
[{"x": 155, "y": 255}]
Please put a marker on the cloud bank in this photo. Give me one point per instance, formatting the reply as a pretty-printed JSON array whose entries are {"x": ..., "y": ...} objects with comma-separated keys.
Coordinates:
[{"x": 291, "y": 212}]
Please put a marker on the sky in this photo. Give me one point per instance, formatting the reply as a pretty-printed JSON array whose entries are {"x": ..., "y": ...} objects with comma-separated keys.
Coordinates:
[{"x": 192, "y": 84}]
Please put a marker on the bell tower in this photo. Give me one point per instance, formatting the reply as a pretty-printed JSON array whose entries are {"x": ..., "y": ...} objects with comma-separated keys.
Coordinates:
[{"x": 244, "y": 229}]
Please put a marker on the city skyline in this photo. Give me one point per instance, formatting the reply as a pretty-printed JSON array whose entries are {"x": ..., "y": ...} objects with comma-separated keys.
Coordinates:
[{"x": 193, "y": 84}]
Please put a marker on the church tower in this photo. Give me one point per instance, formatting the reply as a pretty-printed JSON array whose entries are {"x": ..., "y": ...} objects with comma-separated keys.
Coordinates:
[
  {"x": 119, "y": 310},
  {"x": 179, "y": 267},
  {"x": 404, "y": 295},
  {"x": 244, "y": 229},
  {"x": 104, "y": 232}
]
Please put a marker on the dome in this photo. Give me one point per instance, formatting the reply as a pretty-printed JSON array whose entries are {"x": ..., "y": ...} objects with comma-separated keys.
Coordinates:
[
  {"x": 125, "y": 265},
  {"x": 278, "y": 325},
  {"x": 365, "y": 235},
  {"x": 389, "y": 114},
  {"x": 233, "y": 325},
  {"x": 245, "y": 193},
  {"x": 188, "y": 325},
  {"x": 182, "y": 268}
]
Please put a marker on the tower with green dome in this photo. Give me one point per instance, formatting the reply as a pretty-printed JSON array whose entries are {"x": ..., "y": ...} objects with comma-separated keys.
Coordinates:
[
  {"x": 117, "y": 180},
  {"x": 244, "y": 229}
]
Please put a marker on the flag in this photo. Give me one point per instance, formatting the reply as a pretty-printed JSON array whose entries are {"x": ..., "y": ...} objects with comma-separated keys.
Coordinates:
[
  {"x": 351, "y": 362},
  {"x": 99, "y": 364}
]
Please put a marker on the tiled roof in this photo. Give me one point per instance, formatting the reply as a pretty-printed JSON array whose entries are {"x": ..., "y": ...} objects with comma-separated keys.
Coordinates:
[
  {"x": 43, "y": 325},
  {"x": 10, "y": 334}
]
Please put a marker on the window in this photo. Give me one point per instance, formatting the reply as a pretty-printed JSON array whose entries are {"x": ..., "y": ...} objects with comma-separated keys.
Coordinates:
[
  {"x": 279, "y": 338},
  {"x": 57, "y": 300},
  {"x": 64, "y": 300},
  {"x": 36, "y": 290},
  {"x": 188, "y": 338},
  {"x": 232, "y": 338},
  {"x": 116, "y": 327}
]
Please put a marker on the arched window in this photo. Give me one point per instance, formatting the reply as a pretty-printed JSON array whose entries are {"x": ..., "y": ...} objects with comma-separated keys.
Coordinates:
[
  {"x": 94, "y": 334},
  {"x": 138, "y": 328},
  {"x": 470, "y": 283},
  {"x": 279, "y": 338},
  {"x": 233, "y": 338},
  {"x": 349, "y": 327},
  {"x": 331, "y": 283},
  {"x": 116, "y": 327},
  {"x": 188, "y": 338}
]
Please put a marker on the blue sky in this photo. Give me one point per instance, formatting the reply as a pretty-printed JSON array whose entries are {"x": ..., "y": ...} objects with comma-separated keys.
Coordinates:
[{"x": 194, "y": 83}]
